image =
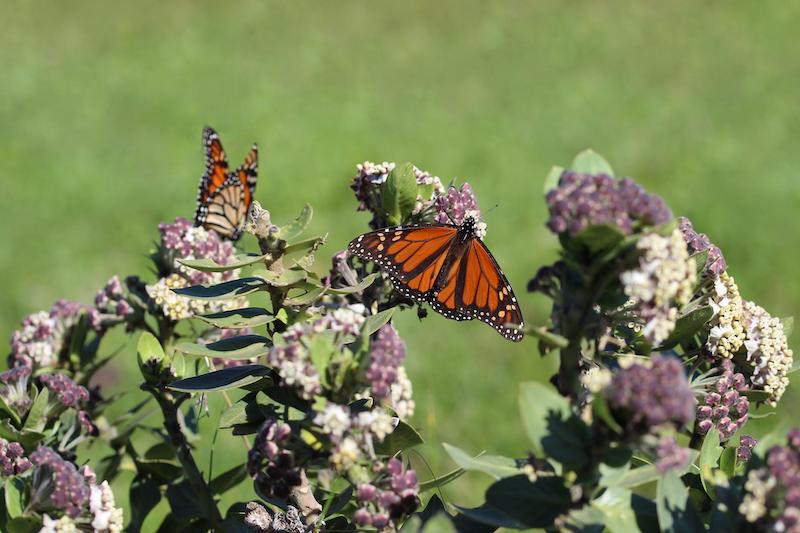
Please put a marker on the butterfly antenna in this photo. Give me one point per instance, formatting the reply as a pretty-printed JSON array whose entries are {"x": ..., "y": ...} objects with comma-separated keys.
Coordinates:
[{"x": 495, "y": 206}]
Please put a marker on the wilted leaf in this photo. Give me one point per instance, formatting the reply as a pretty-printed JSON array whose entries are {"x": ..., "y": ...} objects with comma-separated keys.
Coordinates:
[
  {"x": 227, "y": 378},
  {"x": 494, "y": 465},
  {"x": 295, "y": 228},
  {"x": 223, "y": 291},
  {"x": 249, "y": 317}
]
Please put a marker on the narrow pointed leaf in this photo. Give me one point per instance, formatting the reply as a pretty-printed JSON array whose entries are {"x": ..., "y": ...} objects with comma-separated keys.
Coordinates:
[
  {"x": 36, "y": 419},
  {"x": 402, "y": 438},
  {"x": 366, "y": 282},
  {"x": 241, "y": 347},
  {"x": 495, "y": 465},
  {"x": 227, "y": 378},
  {"x": 208, "y": 265},
  {"x": 441, "y": 480},
  {"x": 224, "y": 291},
  {"x": 375, "y": 322},
  {"x": 249, "y": 317}
]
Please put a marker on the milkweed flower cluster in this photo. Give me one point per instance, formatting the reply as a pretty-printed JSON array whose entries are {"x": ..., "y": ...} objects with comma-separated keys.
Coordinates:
[
  {"x": 393, "y": 495},
  {"x": 652, "y": 393},
  {"x": 181, "y": 240},
  {"x": 44, "y": 335},
  {"x": 767, "y": 351},
  {"x": 110, "y": 306},
  {"x": 745, "y": 449},
  {"x": 270, "y": 461},
  {"x": 715, "y": 263},
  {"x": 725, "y": 407},
  {"x": 584, "y": 200},
  {"x": 370, "y": 178},
  {"x": 67, "y": 392},
  {"x": 12, "y": 458},
  {"x": 454, "y": 205},
  {"x": 387, "y": 352},
  {"x": 727, "y": 331},
  {"x": 60, "y": 488},
  {"x": 663, "y": 282},
  {"x": 772, "y": 492}
]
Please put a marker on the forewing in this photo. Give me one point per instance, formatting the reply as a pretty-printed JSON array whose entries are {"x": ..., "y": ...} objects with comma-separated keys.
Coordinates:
[
  {"x": 214, "y": 176},
  {"x": 412, "y": 255},
  {"x": 247, "y": 174}
]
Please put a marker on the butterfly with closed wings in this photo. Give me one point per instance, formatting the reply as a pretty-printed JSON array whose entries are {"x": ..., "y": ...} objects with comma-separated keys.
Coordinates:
[
  {"x": 448, "y": 267},
  {"x": 224, "y": 197}
]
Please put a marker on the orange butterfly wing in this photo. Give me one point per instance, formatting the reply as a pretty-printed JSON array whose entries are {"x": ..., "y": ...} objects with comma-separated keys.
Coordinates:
[
  {"x": 412, "y": 255},
  {"x": 477, "y": 288},
  {"x": 223, "y": 197}
]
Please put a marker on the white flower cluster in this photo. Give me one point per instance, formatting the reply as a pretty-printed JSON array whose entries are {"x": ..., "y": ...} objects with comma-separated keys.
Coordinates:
[
  {"x": 402, "y": 395},
  {"x": 663, "y": 282},
  {"x": 177, "y": 307},
  {"x": 758, "y": 486},
  {"x": 353, "y": 434},
  {"x": 767, "y": 351},
  {"x": 106, "y": 517},
  {"x": 596, "y": 378},
  {"x": 727, "y": 333}
]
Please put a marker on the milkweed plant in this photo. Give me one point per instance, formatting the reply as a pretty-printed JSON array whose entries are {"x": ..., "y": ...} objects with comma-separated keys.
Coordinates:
[{"x": 662, "y": 364}]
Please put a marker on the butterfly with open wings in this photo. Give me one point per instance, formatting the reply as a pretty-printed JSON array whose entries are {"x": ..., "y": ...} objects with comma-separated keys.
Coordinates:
[
  {"x": 224, "y": 197},
  {"x": 448, "y": 267}
]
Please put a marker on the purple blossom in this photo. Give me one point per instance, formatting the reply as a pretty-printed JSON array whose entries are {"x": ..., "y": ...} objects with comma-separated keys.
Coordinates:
[
  {"x": 14, "y": 388},
  {"x": 670, "y": 455},
  {"x": 584, "y": 200},
  {"x": 725, "y": 407},
  {"x": 387, "y": 352},
  {"x": 69, "y": 393},
  {"x": 12, "y": 458},
  {"x": 110, "y": 306},
  {"x": 745, "y": 449},
  {"x": 452, "y": 207},
  {"x": 184, "y": 241},
  {"x": 270, "y": 463},
  {"x": 647, "y": 396},
  {"x": 394, "y": 495},
  {"x": 698, "y": 242},
  {"x": 57, "y": 484},
  {"x": 43, "y": 335}
]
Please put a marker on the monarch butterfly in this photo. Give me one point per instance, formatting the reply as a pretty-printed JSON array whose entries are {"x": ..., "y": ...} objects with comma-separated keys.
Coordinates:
[
  {"x": 223, "y": 197},
  {"x": 448, "y": 267}
]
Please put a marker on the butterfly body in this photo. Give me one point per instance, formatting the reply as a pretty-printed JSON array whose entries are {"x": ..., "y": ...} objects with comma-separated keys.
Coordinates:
[
  {"x": 224, "y": 197},
  {"x": 448, "y": 267}
]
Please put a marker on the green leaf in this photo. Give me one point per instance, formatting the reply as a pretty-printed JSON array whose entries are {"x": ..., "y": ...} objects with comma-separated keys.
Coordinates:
[
  {"x": 375, "y": 322},
  {"x": 149, "y": 348},
  {"x": 160, "y": 451},
  {"x": 495, "y": 465},
  {"x": 700, "y": 259},
  {"x": 14, "y": 489},
  {"x": 402, "y": 438},
  {"x": 638, "y": 476},
  {"x": 709, "y": 457},
  {"x": 223, "y": 291},
  {"x": 536, "y": 403},
  {"x": 241, "y": 412},
  {"x": 249, "y": 317},
  {"x": 4, "y": 407},
  {"x": 756, "y": 395},
  {"x": 289, "y": 277},
  {"x": 400, "y": 193},
  {"x": 36, "y": 418},
  {"x": 227, "y": 378},
  {"x": 590, "y": 162},
  {"x": 311, "y": 294},
  {"x": 615, "y": 467},
  {"x": 548, "y": 337},
  {"x": 602, "y": 412},
  {"x": 625, "y": 512},
  {"x": 366, "y": 282},
  {"x": 727, "y": 461},
  {"x": 305, "y": 246},
  {"x": 534, "y": 504},
  {"x": 788, "y": 325},
  {"x": 27, "y": 438},
  {"x": 241, "y": 347},
  {"x": 321, "y": 350},
  {"x": 688, "y": 325},
  {"x": 295, "y": 228},
  {"x": 441, "y": 480},
  {"x": 552, "y": 178},
  {"x": 144, "y": 496},
  {"x": 208, "y": 265},
  {"x": 598, "y": 238},
  {"x": 675, "y": 510},
  {"x": 489, "y": 516},
  {"x": 440, "y": 523},
  {"x": 23, "y": 524},
  {"x": 228, "y": 479}
]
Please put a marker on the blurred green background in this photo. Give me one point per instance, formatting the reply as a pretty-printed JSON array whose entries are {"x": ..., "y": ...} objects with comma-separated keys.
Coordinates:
[{"x": 102, "y": 106}]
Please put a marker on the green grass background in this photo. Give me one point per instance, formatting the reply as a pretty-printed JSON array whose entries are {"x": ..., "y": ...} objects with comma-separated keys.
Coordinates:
[{"x": 102, "y": 105}]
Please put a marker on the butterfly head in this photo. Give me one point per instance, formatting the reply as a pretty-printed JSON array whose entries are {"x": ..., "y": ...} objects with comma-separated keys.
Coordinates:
[{"x": 472, "y": 225}]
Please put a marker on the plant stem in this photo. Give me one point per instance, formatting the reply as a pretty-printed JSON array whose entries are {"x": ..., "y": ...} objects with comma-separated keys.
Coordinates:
[{"x": 170, "y": 404}]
